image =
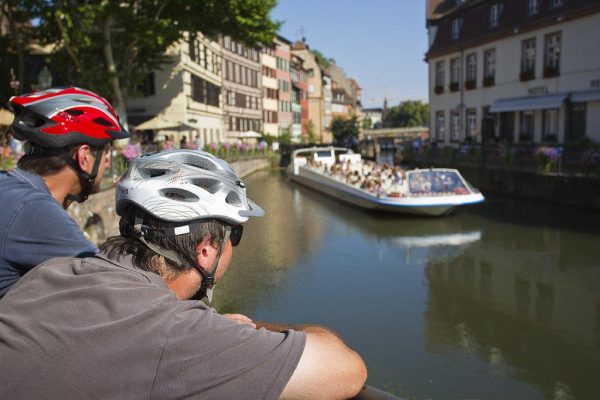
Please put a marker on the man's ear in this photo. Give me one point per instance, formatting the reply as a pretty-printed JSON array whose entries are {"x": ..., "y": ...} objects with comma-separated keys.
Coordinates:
[
  {"x": 83, "y": 156},
  {"x": 206, "y": 252}
]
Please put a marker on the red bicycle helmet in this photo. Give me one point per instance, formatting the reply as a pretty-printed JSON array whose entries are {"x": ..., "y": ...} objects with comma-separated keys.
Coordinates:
[{"x": 63, "y": 117}]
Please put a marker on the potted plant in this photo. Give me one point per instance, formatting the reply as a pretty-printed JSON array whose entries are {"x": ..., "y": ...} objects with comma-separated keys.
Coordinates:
[
  {"x": 470, "y": 84},
  {"x": 439, "y": 89},
  {"x": 454, "y": 86}
]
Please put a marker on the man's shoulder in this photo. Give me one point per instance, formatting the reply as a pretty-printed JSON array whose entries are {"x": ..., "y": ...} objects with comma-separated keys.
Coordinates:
[{"x": 19, "y": 185}]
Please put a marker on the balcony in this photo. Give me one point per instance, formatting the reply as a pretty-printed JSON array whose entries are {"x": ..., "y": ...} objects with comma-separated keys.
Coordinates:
[
  {"x": 527, "y": 74},
  {"x": 551, "y": 71}
]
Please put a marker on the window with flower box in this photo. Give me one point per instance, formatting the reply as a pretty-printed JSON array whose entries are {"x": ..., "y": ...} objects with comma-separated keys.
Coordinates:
[
  {"x": 489, "y": 67},
  {"x": 471, "y": 73},
  {"x": 439, "y": 77},
  {"x": 552, "y": 55},
  {"x": 454, "y": 74},
  {"x": 527, "y": 60}
]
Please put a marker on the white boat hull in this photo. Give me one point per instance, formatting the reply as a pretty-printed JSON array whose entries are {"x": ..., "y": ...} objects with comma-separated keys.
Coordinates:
[{"x": 416, "y": 205}]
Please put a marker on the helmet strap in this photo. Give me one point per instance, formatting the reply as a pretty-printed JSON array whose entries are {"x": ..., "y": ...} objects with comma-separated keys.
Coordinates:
[
  {"x": 86, "y": 180},
  {"x": 208, "y": 277}
]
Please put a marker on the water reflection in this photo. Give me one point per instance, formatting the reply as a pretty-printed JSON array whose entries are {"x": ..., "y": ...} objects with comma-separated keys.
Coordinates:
[{"x": 497, "y": 301}]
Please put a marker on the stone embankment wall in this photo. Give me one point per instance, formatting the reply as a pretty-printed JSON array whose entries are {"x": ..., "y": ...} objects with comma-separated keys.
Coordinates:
[{"x": 97, "y": 217}]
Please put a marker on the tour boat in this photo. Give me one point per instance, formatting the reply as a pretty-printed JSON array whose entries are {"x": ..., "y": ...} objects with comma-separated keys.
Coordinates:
[{"x": 342, "y": 174}]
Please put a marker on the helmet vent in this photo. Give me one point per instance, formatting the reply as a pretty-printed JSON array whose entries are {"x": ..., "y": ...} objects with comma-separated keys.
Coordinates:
[
  {"x": 152, "y": 172},
  {"x": 74, "y": 112},
  {"x": 178, "y": 195},
  {"x": 233, "y": 199},
  {"x": 102, "y": 121},
  {"x": 210, "y": 185},
  {"x": 32, "y": 120}
]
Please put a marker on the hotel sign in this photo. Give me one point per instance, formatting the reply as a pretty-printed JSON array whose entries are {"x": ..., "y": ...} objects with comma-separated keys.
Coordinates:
[{"x": 538, "y": 90}]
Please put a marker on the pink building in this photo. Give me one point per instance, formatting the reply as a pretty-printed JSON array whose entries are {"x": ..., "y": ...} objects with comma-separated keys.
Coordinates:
[{"x": 283, "y": 54}]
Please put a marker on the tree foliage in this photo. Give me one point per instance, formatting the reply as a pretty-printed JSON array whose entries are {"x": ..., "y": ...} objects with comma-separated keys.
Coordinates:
[
  {"x": 322, "y": 60},
  {"x": 407, "y": 114},
  {"x": 109, "y": 46},
  {"x": 345, "y": 130}
]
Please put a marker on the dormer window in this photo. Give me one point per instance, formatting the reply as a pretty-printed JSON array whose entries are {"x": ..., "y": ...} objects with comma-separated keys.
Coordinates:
[
  {"x": 533, "y": 7},
  {"x": 495, "y": 14},
  {"x": 456, "y": 25}
]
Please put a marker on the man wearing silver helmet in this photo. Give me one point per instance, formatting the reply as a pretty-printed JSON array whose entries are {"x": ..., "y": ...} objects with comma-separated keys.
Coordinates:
[{"x": 122, "y": 324}]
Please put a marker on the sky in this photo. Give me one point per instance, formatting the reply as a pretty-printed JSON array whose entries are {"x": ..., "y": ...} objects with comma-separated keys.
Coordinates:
[{"x": 380, "y": 43}]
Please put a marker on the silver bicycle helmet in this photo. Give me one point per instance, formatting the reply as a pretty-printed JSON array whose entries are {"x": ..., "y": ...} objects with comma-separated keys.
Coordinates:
[{"x": 185, "y": 185}]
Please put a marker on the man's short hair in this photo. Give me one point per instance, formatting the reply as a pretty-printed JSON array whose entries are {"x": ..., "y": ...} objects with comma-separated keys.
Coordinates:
[
  {"x": 184, "y": 245},
  {"x": 44, "y": 162}
]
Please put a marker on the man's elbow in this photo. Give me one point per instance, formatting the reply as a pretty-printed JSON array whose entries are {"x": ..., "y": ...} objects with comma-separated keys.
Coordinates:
[{"x": 358, "y": 377}]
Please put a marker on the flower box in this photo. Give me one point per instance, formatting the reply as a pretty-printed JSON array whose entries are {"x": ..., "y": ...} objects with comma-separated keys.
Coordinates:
[
  {"x": 470, "y": 84},
  {"x": 439, "y": 89},
  {"x": 489, "y": 81},
  {"x": 454, "y": 86},
  {"x": 551, "y": 72},
  {"x": 527, "y": 75}
]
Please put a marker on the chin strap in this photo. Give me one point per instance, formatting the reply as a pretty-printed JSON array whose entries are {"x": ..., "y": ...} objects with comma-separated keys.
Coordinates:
[
  {"x": 86, "y": 180},
  {"x": 143, "y": 232}
]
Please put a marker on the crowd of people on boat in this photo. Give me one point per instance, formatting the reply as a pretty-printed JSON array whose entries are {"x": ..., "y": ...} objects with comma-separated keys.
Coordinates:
[
  {"x": 385, "y": 180},
  {"x": 378, "y": 179}
]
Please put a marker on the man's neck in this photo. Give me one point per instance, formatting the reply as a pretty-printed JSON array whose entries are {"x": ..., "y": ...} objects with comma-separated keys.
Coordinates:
[{"x": 61, "y": 184}]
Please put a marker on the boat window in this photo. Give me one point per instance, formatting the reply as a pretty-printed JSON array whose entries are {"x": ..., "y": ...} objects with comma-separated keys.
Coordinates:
[
  {"x": 321, "y": 154},
  {"x": 436, "y": 182}
]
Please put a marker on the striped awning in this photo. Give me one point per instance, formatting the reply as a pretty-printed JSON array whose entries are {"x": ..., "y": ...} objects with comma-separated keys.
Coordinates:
[
  {"x": 529, "y": 103},
  {"x": 588, "y": 95}
]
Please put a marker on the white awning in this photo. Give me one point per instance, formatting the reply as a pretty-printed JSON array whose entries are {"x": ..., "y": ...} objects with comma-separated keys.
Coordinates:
[
  {"x": 6, "y": 117},
  {"x": 160, "y": 123},
  {"x": 589, "y": 95},
  {"x": 529, "y": 103}
]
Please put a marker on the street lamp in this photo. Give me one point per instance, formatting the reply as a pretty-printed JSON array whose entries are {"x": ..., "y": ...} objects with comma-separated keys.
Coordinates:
[{"x": 45, "y": 78}]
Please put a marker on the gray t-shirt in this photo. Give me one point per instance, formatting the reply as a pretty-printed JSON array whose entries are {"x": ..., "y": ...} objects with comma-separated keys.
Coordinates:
[
  {"x": 33, "y": 227},
  {"x": 100, "y": 328}
]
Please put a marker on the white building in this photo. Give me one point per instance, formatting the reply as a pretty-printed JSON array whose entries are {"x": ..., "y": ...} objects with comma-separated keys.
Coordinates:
[
  {"x": 270, "y": 91},
  {"x": 186, "y": 93},
  {"x": 520, "y": 70}
]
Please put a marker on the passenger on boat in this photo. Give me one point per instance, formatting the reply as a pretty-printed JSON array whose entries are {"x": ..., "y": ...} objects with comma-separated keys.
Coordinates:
[
  {"x": 67, "y": 133},
  {"x": 124, "y": 324}
]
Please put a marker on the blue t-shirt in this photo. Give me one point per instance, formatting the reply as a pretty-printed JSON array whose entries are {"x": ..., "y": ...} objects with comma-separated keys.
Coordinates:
[{"x": 33, "y": 227}]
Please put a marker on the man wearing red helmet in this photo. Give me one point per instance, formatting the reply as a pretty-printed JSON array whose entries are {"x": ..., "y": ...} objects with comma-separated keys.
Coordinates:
[{"x": 67, "y": 132}]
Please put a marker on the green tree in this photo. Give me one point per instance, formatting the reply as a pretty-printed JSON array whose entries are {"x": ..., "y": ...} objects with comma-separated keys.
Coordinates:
[
  {"x": 322, "y": 60},
  {"x": 110, "y": 46},
  {"x": 345, "y": 130},
  {"x": 310, "y": 131},
  {"x": 408, "y": 114}
]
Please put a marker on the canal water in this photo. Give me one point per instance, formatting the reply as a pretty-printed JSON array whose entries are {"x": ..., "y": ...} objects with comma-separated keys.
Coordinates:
[{"x": 497, "y": 301}]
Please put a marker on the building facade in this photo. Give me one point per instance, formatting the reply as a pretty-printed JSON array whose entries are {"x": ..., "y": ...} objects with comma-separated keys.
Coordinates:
[
  {"x": 514, "y": 70},
  {"x": 185, "y": 94},
  {"x": 283, "y": 55},
  {"x": 242, "y": 97},
  {"x": 270, "y": 91},
  {"x": 299, "y": 99}
]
